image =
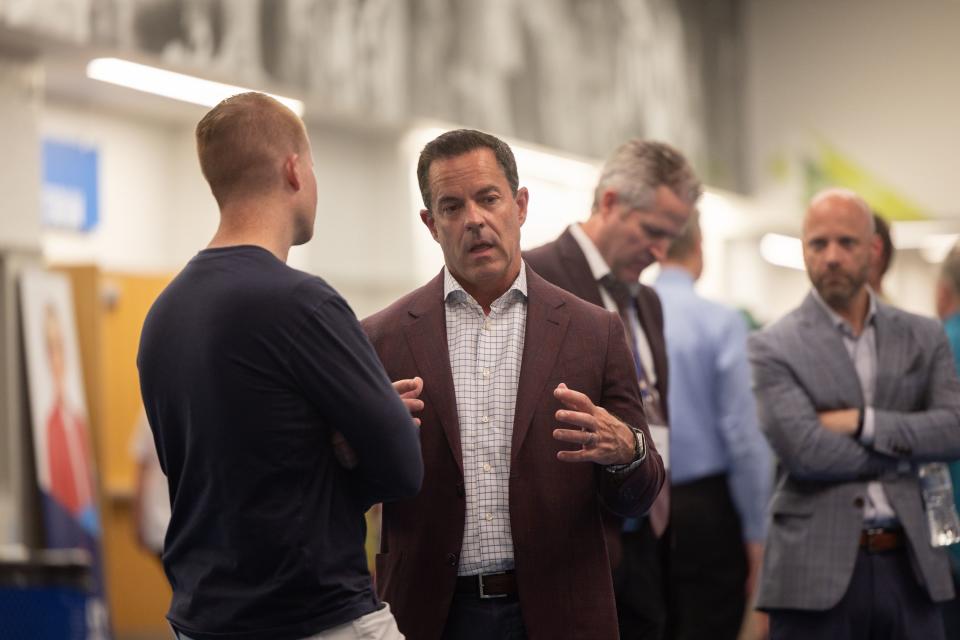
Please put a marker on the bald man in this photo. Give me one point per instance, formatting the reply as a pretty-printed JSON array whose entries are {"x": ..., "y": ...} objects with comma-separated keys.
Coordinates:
[
  {"x": 852, "y": 394},
  {"x": 256, "y": 379}
]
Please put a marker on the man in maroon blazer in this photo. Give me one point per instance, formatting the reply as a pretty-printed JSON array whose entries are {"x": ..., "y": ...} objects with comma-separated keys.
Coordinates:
[
  {"x": 532, "y": 419},
  {"x": 642, "y": 201}
]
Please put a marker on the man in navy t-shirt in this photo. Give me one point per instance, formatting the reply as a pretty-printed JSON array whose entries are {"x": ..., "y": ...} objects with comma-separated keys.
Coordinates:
[{"x": 273, "y": 418}]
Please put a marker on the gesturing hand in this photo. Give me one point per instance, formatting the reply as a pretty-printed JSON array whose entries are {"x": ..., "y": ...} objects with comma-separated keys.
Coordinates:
[
  {"x": 409, "y": 390},
  {"x": 603, "y": 438}
]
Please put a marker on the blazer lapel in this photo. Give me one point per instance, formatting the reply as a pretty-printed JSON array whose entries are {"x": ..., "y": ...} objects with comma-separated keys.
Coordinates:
[
  {"x": 894, "y": 352},
  {"x": 427, "y": 336},
  {"x": 547, "y": 321},
  {"x": 826, "y": 349},
  {"x": 578, "y": 270}
]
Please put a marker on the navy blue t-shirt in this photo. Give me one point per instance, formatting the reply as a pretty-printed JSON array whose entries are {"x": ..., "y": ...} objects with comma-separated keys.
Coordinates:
[{"x": 247, "y": 368}]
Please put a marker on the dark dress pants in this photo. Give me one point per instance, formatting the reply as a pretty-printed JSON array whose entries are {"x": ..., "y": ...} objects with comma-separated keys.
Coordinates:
[
  {"x": 639, "y": 584},
  {"x": 951, "y": 612},
  {"x": 708, "y": 562},
  {"x": 883, "y": 602},
  {"x": 471, "y": 618}
]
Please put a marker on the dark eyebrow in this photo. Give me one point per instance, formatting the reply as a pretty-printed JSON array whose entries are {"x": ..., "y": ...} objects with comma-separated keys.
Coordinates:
[
  {"x": 488, "y": 189},
  {"x": 447, "y": 199},
  {"x": 657, "y": 230}
]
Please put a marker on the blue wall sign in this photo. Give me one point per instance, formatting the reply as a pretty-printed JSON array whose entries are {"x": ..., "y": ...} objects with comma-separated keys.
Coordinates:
[{"x": 70, "y": 198}]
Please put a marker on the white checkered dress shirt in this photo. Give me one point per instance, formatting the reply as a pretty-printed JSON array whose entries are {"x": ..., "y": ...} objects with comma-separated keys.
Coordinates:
[{"x": 485, "y": 355}]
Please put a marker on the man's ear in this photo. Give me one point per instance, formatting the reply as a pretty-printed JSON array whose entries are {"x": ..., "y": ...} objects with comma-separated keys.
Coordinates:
[
  {"x": 607, "y": 203},
  {"x": 291, "y": 171},
  {"x": 427, "y": 218},
  {"x": 876, "y": 248},
  {"x": 522, "y": 200}
]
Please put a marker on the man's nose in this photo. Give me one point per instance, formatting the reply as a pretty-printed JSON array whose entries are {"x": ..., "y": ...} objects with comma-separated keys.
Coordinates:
[
  {"x": 832, "y": 253},
  {"x": 473, "y": 216}
]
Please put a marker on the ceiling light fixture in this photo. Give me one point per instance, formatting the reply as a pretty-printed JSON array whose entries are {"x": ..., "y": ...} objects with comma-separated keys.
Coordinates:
[
  {"x": 782, "y": 251},
  {"x": 170, "y": 84}
]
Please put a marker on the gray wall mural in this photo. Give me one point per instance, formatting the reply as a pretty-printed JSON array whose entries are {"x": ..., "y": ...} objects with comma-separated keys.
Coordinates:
[{"x": 578, "y": 75}]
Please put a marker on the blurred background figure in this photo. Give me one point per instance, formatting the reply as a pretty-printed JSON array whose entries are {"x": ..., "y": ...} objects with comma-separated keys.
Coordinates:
[
  {"x": 880, "y": 266},
  {"x": 646, "y": 193},
  {"x": 69, "y": 457},
  {"x": 852, "y": 395},
  {"x": 721, "y": 464},
  {"x": 948, "y": 309},
  {"x": 151, "y": 500}
]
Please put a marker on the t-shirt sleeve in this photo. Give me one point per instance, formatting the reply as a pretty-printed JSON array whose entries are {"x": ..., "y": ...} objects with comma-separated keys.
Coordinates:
[{"x": 339, "y": 372}]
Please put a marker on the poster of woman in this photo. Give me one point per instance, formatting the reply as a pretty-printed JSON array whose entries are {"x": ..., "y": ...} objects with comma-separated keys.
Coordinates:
[{"x": 63, "y": 449}]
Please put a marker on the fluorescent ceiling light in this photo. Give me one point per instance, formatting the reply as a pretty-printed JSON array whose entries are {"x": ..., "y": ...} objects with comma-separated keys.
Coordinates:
[
  {"x": 170, "y": 84},
  {"x": 937, "y": 246},
  {"x": 782, "y": 251}
]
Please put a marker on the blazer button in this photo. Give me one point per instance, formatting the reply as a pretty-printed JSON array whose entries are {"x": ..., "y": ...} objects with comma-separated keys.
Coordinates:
[
  {"x": 452, "y": 559},
  {"x": 858, "y": 502}
]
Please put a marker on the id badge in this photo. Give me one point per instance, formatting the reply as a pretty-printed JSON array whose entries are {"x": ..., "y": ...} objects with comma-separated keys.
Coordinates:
[{"x": 661, "y": 440}]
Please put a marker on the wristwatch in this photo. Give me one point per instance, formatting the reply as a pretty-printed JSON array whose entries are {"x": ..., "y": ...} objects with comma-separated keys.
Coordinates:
[{"x": 639, "y": 454}]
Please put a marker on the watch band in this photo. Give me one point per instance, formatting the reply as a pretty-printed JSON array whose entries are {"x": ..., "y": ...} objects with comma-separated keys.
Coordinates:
[{"x": 639, "y": 454}]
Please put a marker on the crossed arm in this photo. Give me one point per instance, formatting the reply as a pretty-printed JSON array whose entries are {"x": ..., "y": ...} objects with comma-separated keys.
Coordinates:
[
  {"x": 826, "y": 445},
  {"x": 791, "y": 423}
]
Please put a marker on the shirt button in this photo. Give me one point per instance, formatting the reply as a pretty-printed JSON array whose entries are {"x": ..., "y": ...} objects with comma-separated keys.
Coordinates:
[
  {"x": 486, "y": 467},
  {"x": 489, "y": 517},
  {"x": 452, "y": 559},
  {"x": 484, "y": 419},
  {"x": 858, "y": 502},
  {"x": 486, "y": 325},
  {"x": 486, "y": 372}
]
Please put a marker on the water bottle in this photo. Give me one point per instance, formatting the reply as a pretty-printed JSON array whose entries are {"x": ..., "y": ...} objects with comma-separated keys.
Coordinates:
[{"x": 937, "y": 490}]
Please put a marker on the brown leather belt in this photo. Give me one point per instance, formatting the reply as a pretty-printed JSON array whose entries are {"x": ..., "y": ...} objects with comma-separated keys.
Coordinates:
[
  {"x": 878, "y": 540},
  {"x": 488, "y": 585}
]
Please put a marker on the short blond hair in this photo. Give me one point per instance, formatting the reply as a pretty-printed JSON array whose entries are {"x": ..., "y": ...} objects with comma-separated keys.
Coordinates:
[
  {"x": 684, "y": 244},
  {"x": 242, "y": 142}
]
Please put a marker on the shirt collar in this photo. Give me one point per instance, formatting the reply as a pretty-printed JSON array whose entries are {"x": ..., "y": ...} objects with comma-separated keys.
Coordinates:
[
  {"x": 674, "y": 276},
  {"x": 453, "y": 292},
  {"x": 598, "y": 266},
  {"x": 838, "y": 321}
]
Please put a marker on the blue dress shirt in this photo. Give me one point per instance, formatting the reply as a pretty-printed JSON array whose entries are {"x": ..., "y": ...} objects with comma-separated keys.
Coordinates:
[{"x": 713, "y": 417}]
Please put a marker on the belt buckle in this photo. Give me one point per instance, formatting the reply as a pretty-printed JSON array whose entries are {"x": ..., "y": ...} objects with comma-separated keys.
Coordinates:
[{"x": 488, "y": 596}]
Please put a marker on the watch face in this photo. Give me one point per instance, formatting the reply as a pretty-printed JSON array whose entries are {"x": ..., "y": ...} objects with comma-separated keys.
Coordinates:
[{"x": 639, "y": 447}]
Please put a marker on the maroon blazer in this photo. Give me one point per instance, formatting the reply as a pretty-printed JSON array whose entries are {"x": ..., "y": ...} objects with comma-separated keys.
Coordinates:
[
  {"x": 562, "y": 262},
  {"x": 562, "y": 568}
]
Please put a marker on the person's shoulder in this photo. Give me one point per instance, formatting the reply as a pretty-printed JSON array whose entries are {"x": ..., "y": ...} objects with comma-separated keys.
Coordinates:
[
  {"x": 310, "y": 289},
  {"x": 778, "y": 331},
  {"x": 543, "y": 252},
  {"x": 557, "y": 296},
  {"x": 928, "y": 328},
  {"x": 387, "y": 318}
]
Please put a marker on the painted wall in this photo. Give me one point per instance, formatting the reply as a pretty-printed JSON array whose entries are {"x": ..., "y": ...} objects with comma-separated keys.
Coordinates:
[
  {"x": 871, "y": 78},
  {"x": 871, "y": 82}
]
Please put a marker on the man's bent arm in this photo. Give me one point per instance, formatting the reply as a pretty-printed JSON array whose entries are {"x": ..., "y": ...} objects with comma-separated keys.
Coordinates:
[
  {"x": 788, "y": 418},
  {"x": 630, "y": 494},
  {"x": 930, "y": 434},
  {"x": 339, "y": 370}
]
